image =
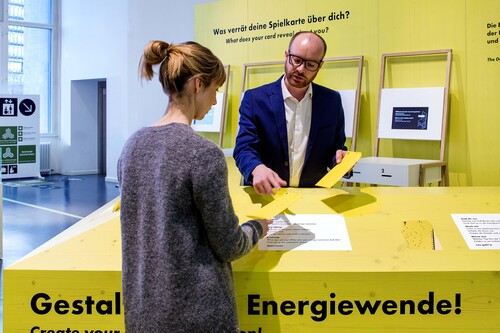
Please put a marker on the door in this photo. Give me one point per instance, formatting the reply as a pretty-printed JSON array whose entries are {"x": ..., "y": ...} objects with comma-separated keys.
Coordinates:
[{"x": 101, "y": 132}]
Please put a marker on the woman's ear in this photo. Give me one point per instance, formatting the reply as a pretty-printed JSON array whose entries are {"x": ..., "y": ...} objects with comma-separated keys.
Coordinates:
[{"x": 197, "y": 85}]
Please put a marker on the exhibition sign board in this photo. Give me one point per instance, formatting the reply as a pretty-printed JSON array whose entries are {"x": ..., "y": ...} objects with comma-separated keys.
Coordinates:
[
  {"x": 242, "y": 32},
  {"x": 20, "y": 136}
]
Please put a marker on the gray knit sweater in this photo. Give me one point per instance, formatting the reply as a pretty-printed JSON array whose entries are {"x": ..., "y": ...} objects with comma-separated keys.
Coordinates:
[{"x": 179, "y": 233}]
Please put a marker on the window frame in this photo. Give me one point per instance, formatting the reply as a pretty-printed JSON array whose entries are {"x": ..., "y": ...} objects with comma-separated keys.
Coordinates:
[{"x": 54, "y": 88}]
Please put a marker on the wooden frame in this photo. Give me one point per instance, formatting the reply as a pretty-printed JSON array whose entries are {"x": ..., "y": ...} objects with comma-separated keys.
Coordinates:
[
  {"x": 359, "y": 59},
  {"x": 442, "y": 163},
  {"x": 224, "y": 109}
]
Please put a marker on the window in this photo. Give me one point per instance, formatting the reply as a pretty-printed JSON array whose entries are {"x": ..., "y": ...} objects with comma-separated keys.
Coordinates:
[{"x": 29, "y": 52}]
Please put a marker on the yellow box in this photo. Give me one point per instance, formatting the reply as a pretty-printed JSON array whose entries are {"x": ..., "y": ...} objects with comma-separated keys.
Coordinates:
[{"x": 381, "y": 285}]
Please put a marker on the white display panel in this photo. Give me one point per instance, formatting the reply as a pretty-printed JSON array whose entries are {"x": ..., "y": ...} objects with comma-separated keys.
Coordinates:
[
  {"x": 411, "y": 113},
  {"x": 348, "y": 103},
  {"x": 480, "y": 231}
]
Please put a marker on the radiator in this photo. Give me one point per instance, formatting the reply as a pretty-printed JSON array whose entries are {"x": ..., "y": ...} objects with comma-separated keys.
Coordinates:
[{"x": 45, "y": 158}]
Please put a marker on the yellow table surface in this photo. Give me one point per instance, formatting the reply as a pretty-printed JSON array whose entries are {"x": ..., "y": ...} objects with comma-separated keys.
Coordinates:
[{"x": 373, "y": 216}]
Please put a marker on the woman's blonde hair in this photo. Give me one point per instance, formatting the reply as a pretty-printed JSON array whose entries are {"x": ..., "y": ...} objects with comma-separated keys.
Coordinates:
[{"x": 178, "y": 63}]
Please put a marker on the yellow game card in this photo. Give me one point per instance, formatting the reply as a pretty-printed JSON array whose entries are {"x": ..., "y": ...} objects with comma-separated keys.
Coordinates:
[
  {"x": 334, "y": 175},
  {"x": 282, "y": 200}
]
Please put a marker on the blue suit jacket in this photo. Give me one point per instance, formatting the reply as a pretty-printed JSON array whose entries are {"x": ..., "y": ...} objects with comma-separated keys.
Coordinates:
[{"x": 262, "y": 136}]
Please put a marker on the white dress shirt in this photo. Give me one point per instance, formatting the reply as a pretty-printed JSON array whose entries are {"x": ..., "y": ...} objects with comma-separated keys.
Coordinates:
[{"x": 298, "y": 125}]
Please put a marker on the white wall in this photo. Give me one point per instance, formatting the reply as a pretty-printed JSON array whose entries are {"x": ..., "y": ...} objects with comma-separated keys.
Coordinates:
[{"x": 105, "y": 39}]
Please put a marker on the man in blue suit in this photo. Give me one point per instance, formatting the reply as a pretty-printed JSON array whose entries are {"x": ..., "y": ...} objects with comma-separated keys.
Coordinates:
[{"x": 292, "y": 130}]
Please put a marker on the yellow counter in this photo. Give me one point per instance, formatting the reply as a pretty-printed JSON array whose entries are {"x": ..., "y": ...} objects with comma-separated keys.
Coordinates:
[
  {"x": 381, "y": 285},
  {"x": 73, "y": 282}
]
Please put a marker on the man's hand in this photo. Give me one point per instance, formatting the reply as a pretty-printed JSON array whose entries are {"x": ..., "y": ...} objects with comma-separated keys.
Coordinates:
[
  {"x": 340, "y": 155},
  {"x": 266, "y": 180}
]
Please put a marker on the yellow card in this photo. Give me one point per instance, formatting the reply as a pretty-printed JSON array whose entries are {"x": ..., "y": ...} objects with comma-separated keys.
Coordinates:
[
  {"x": 418, "y": 234},
  {"x": 116, "y": 207},
  {"x": 282, "y": 200},
  {"x": 280, "y": 192},
  {"x": 334, "y": 175}
]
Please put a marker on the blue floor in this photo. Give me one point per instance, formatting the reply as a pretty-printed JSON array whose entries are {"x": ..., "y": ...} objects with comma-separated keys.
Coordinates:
[{"x": 34, "y": 211}]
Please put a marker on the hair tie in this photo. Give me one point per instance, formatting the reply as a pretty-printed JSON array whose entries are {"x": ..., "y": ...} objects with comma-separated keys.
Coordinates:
[{"x": 164, "y": 59}]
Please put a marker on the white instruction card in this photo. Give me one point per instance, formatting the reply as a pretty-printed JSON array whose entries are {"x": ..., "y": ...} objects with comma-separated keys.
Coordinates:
[
  {"x": 320, "y": 232},
  {"x": 480, "y": 231}
]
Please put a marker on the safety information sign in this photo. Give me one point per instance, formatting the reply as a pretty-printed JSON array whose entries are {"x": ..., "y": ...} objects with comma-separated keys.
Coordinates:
[{"x": 19, "y": 136}]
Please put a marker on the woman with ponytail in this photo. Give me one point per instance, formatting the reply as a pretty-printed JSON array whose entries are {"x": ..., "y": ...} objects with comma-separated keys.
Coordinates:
[{"x": 178, "y": 226}]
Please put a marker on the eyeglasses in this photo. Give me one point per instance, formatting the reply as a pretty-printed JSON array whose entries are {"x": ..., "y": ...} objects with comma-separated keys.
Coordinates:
[{"x": 310, "y": 65}]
